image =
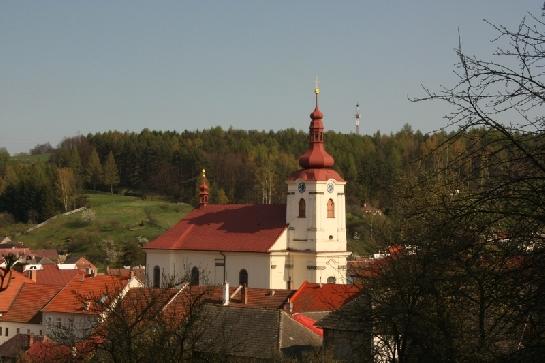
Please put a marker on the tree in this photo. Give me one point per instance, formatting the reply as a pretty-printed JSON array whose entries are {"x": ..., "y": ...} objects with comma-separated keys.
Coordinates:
[
  {"x": 470, "y": 283},
  {"x": 66, "y": 185},
  {"x": 5, "y": 272},
  {"x": 93, "y": 171},
  {"x": 111, "y": 176}
]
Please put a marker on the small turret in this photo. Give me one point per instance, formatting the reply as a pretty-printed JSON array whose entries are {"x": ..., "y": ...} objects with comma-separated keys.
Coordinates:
[{"x": 203, "y": 190}]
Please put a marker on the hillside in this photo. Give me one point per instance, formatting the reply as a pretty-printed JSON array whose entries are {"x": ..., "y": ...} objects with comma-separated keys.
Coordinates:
[{"x": 110, "y": 232}]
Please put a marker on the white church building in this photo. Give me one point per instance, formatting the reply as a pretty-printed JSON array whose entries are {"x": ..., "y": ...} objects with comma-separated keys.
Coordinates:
[{"x": 263, "y": 245}]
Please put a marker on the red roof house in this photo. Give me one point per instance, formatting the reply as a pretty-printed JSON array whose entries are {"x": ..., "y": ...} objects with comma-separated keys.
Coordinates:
[
  {"x": 312, "y": 297},
  {"x": 26, "y": 306},
  {"x": 73, "y": 297},
  {"x": 10, "y": 289}
]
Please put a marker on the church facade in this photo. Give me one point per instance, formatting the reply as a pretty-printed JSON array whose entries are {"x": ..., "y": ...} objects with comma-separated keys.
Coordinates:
[{"x": 266, "y": 246}]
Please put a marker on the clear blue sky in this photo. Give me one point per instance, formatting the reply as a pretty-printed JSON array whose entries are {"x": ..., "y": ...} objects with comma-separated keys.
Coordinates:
[{"x": 77, "y": 66}]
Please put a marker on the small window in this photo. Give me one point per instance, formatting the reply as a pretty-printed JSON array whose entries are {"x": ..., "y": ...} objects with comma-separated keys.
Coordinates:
[
  {"x": 194, "y": 276},
  {"x": 156, "y": 277},
  {"x": 0, "y": 331},
  {"x": 28, "y": 331},
  {"x": 331, "y": 280},
  {"x": 243, "y": 277},
  {"x": 330, "y": 209},
  {"x": 6, "y": 332},
  {"x": 17, "y": 330},
  {"x": 302, "y": 208}
]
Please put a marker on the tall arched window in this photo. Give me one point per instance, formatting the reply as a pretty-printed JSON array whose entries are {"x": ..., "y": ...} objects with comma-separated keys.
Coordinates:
[
  {"x": 331, "y": 280},
  {"x": 156, "y": 276},
  {"x": 330, "y": 209},
  {"x": 243, "y": 277},
  {"x": 302, "y": 208},
  {"x": 194, "y": 276}
]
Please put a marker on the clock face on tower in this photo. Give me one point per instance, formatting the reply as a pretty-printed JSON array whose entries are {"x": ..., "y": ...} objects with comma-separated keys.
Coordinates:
[
  {"x": 301, "y": 187},
  {"x": 330, "y": 187}
]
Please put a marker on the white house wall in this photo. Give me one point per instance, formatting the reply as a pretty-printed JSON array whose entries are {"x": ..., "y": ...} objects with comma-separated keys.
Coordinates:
[
  {"x": 34, "y": 329},
  {"x": 80, "y": 325}
]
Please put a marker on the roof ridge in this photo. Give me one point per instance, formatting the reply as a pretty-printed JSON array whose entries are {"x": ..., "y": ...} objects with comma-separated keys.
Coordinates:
[
  {"x": 64, "y": 287},
  {"x": 299, "y": 291}
]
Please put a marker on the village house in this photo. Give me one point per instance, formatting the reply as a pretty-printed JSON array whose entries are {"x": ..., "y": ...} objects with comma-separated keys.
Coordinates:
[
  {"x": 24, "y": 315},
  {"x": 76, "y": 308},
  {"x": 266, "y": 246}
]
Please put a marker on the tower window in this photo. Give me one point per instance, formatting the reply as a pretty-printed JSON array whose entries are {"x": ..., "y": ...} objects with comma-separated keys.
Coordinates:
[
  {"x": 302, "y": 208},
  {"x": 194, "y": 276},
  {"x": 243, "y": 277},
  {"x": 331, "y": 280},
  {"x": 156, "y": 276},
  {"x": 330, "y": 209}
]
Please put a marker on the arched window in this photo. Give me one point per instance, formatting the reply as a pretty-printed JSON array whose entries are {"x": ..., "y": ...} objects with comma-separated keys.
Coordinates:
[
  {"x": 194, "y": 276},
  {"x": 330, "y": 209},
  {"x": 302, "y": 208},
  {"x": 243, "y": 277},
  {"x": 156, "y": 276},
  {"x": 331, "y": 280}
]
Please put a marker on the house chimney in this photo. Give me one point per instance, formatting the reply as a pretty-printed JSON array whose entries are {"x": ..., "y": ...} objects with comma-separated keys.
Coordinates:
[
  {"x": 225, "y": 293},
  {"x": 244, "y": 295},
  {"x": 33, "y": 275}
]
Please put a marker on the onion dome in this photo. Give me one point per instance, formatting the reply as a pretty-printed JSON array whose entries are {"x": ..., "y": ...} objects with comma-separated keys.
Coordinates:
[{"x": 316, "y": 156}]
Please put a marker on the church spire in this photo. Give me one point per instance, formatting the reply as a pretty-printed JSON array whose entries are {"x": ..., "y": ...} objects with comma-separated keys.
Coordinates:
[
  {"x": 203, "y": 190},
  {"x": 316, "y": 156}
]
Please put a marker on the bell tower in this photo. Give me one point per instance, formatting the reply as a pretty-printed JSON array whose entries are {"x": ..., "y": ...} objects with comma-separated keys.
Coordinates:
[{"x": 316, "y": 212}]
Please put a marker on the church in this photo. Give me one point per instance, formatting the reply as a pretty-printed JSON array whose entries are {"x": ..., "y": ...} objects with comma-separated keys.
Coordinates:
[{"x": 263, "y": 245}]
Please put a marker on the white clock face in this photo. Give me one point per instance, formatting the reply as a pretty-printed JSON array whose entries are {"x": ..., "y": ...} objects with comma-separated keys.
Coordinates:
[
  {"x": 301, "y": 187},
  {"x": 330, "y": 187}
]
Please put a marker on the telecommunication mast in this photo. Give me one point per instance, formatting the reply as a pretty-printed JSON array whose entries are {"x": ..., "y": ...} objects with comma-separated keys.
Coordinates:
[{"x": 357, "y": 118}]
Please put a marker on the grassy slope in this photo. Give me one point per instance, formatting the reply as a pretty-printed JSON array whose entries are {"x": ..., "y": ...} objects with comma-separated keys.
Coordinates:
[{"x": 117, "y": 218}]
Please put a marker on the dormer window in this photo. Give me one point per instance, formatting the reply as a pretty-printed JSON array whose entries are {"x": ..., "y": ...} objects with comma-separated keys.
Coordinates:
[
  {"x": 302, "y": 208},
  {"x": 330, "y": 209}
]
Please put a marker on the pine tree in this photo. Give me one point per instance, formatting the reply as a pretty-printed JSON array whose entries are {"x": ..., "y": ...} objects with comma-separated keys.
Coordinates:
[
  {"x": 111, "y": 175},
  {"x": 93, "y": 171}
]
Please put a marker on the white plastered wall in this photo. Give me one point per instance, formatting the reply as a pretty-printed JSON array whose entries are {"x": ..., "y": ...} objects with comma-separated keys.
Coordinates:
[
  {"x": 34, "y": 329},
  {"x": 180, "y": 262}
]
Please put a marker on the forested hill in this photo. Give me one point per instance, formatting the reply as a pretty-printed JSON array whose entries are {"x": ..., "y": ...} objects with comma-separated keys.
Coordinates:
[
  {"x": 246, "y": 166},
  {"x": 242, "y": 166}
]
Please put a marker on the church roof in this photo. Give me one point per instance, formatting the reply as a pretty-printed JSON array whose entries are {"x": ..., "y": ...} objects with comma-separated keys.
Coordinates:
[{"x": 225, "y": 227}]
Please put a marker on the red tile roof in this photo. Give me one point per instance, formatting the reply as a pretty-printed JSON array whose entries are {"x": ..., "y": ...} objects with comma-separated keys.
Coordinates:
[
  {"x": 12, "y": 285},
  {"x": 52, "y": 275},
  {"x": 47, "y": 350},
  {"x": 72, "y": 298},
  {"x": 23, "y": 251},
  {"x": 52, "y": 254},
  {"x": 225, "y": 227},
  {"x": 257, "y": 298},
  {"x": 308, "y": 323},
  {"x": 29, "y": 301},
  {"x": 324, "y": 297}
]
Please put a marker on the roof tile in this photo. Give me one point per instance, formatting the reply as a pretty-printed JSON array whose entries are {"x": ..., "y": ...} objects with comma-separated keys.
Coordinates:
[{"x": 226, "y": 227}]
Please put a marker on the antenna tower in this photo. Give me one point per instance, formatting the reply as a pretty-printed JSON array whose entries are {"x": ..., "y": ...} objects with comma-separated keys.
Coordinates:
[{"x": 357, "y": 118}]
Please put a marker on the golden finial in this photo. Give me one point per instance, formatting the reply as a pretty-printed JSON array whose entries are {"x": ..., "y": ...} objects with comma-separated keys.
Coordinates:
[
  {"x": 316, "y": 89},
  {"x": 204, "y": 173}
]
